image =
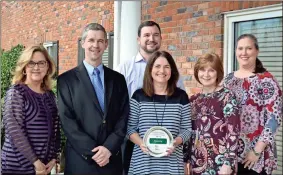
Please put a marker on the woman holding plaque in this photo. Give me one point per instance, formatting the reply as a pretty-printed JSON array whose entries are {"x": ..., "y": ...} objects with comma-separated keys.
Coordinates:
[
  {"x": 215, "y": 122},
  {"x": 30, "y": 117},
  {"x": 159, "y": 121},
  {"x": 261, "y": 101}
]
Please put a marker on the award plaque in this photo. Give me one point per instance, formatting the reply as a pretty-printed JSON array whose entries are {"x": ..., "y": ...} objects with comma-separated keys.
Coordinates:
[{"x": 158, "y": 139}]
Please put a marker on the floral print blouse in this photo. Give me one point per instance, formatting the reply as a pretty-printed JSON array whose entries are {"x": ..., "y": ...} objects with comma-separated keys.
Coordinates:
[
  {"x": 261, "y": 115},
  {"x": 216, "y": 125}
]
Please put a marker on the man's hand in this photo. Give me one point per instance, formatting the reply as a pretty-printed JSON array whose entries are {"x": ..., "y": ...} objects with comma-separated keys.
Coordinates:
[
  {"x": 50, "y": 165},
  {"x": 102, "y": 155}
]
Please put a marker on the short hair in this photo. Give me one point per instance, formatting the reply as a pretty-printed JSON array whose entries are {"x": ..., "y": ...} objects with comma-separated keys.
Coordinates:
[
  {"x": 93, "y": 26},
  {"x": 25, "y": 58},
  {"x": 148, "y": 87},
  {"x": 258, "y": 64},
  {"x": 214, "y": 61},
  {"x": 146, "y": 24}
]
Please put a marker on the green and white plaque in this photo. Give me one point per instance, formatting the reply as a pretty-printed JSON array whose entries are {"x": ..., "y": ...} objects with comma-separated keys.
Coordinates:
[{"x": 158, "y": 139}]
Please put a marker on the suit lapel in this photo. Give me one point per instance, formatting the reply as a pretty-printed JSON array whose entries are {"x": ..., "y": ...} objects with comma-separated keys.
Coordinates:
[
  {"x": 108, "y": 85},
  {"x": 84, "y": 77}
]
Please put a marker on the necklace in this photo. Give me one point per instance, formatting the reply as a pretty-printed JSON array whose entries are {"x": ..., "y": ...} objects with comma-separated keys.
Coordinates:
[
  {"x": 208, "y": 99},
  {"x": 162, "y": 112}
]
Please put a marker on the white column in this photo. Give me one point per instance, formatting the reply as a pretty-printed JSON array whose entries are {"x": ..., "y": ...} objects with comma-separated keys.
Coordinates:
[
  {"x": 126, "y": 31},
  {"x": 117, "y": 33}
]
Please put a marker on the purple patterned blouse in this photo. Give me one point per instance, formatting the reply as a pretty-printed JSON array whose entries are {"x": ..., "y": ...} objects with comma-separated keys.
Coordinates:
[
  {"x": 216, "y": 126},
  {"x": 32, "y": 129}
]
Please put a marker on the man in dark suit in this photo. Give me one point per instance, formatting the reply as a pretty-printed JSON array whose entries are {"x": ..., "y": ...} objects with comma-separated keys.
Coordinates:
[{"x": 93, "y": 107}]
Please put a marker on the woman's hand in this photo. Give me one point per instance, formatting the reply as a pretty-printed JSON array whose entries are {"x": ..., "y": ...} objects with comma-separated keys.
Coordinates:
[
  {"x": 225, "y": 170},
  {"x": 143, "y": 148},
  {"x": 250, "y": 160},
  {"x": 171, "y": 149},
  {"x": 40, "y": 168},
  {"x": 50, "y": 165},
  {"x": 187, "y": 168}
]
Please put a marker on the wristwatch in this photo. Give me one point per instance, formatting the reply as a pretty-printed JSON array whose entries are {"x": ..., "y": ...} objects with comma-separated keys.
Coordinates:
[{"x": 256, "y": 153}]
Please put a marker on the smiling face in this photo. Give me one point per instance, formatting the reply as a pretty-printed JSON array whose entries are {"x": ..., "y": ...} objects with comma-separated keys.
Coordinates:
[
  {"x": 161, "y": 71},
  {"x": 37, "y": 68},
  {"x": 246, "y": 53},
  {"x": 94, "y": 44},
  {"x": 150, "y": 39},
  {"x": 207, "y": 76}
]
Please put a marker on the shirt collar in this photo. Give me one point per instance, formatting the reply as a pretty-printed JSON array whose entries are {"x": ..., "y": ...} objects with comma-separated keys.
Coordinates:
[
  {"x": 90, "y": 68},
  {"x": 139, "y": 58}
]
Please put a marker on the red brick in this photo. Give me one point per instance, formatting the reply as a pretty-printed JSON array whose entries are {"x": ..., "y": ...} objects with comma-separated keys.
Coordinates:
[
  {"x": 203, "y": 6},
  {"x": 190, "y": 71},
  {"x": 187, "y": 65},
  {"x": 187, "y": 28},
  {"x": 197, "y": 39},
  {"x": 187, "y": 52},
  {"x": 201, "y": 19},
  {"x": 183, "y": 71},
  {"x": 190, "y": 83},
  {"x": 182, "y": 59},
  {"x": 197, "y": 52},
  {"x": 208, "y": 38},
  {"x": 203, "y": 32},
  {"x": 208, "y": 25},
  {"x": 216, "y": 44},
  {"x": 215, "y": 31},
  {"x": 179, "y": 65},
  {"x": 214, "y": 4}
]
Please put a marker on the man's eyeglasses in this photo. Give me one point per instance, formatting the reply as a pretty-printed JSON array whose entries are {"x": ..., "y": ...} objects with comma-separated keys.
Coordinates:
[{"x": 40, "y": 64}]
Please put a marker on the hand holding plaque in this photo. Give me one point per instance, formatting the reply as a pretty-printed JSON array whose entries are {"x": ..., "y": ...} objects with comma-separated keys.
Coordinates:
[{"x": 158, "y": 139}]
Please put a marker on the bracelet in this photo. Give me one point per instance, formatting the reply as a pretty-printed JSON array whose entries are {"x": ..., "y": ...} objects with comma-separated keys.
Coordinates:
[{"x": 256, "y": 153}]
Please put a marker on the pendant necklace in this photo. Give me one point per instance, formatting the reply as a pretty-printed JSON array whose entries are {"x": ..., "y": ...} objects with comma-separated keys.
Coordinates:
[{"x": 162, "y": 112}]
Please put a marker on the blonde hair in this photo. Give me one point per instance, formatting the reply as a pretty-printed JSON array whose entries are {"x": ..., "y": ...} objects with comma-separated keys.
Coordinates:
[{"x": 26, "y": 56}]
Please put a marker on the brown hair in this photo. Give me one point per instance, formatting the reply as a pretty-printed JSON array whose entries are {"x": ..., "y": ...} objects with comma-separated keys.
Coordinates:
[
  {"x": 258, "y": 64},
  {"x": 148, "y": 87},
  {"x": 214, "y": 61},
  {"x": 25, "y": 58}
]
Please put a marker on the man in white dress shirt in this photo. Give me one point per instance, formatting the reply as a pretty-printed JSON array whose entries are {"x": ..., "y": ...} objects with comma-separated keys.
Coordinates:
[{"x": 149, "y": 40}]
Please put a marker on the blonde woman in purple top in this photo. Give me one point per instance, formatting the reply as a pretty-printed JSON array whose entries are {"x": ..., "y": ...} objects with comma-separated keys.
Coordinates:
[{"x": 30, "y": 117}]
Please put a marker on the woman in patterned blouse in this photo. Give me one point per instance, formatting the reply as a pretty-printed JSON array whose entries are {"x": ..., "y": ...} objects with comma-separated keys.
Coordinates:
[
  {"x": 215, "y": 122},
  {"x": 261, "y": 101},
  {"x": 30, "y": 117}
]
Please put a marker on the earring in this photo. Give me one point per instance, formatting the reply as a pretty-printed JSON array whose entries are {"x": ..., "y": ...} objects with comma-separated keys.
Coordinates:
[{"x": 24, "y": 73}]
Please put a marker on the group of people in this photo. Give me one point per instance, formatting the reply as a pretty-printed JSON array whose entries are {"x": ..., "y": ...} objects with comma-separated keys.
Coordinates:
[{"x": 228, "y": 128}]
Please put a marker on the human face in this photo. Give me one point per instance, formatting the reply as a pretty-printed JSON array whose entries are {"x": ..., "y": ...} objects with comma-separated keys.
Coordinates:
[
  {"x": 150, "y": 39},
  {"x": 207, "y": 76},
  {"x": 246, "y": 53},
  {"x": 161, "y": 71},
  {"x": 94, "y": 45},
  {"x": 37, "y": 68}
]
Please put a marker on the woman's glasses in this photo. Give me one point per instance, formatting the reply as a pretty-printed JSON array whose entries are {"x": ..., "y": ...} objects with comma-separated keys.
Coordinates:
[{"x": 40, "y": 64}]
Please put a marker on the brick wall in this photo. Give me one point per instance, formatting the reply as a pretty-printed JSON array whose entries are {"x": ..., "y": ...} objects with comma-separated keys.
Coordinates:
[
  {"x": 27, "y": 22},
  {"x": 190, "y": 29}
]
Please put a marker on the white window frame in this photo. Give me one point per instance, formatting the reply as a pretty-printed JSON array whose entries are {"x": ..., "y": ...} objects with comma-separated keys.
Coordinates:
[{"x": 230, "y": 18}]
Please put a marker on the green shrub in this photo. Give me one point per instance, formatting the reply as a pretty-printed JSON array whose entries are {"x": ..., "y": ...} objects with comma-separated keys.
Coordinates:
[{"x": 8, "y": 64}]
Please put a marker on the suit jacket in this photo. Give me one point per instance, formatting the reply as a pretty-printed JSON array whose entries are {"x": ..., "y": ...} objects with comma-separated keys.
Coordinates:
[{"x": 84, "y": 123}]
